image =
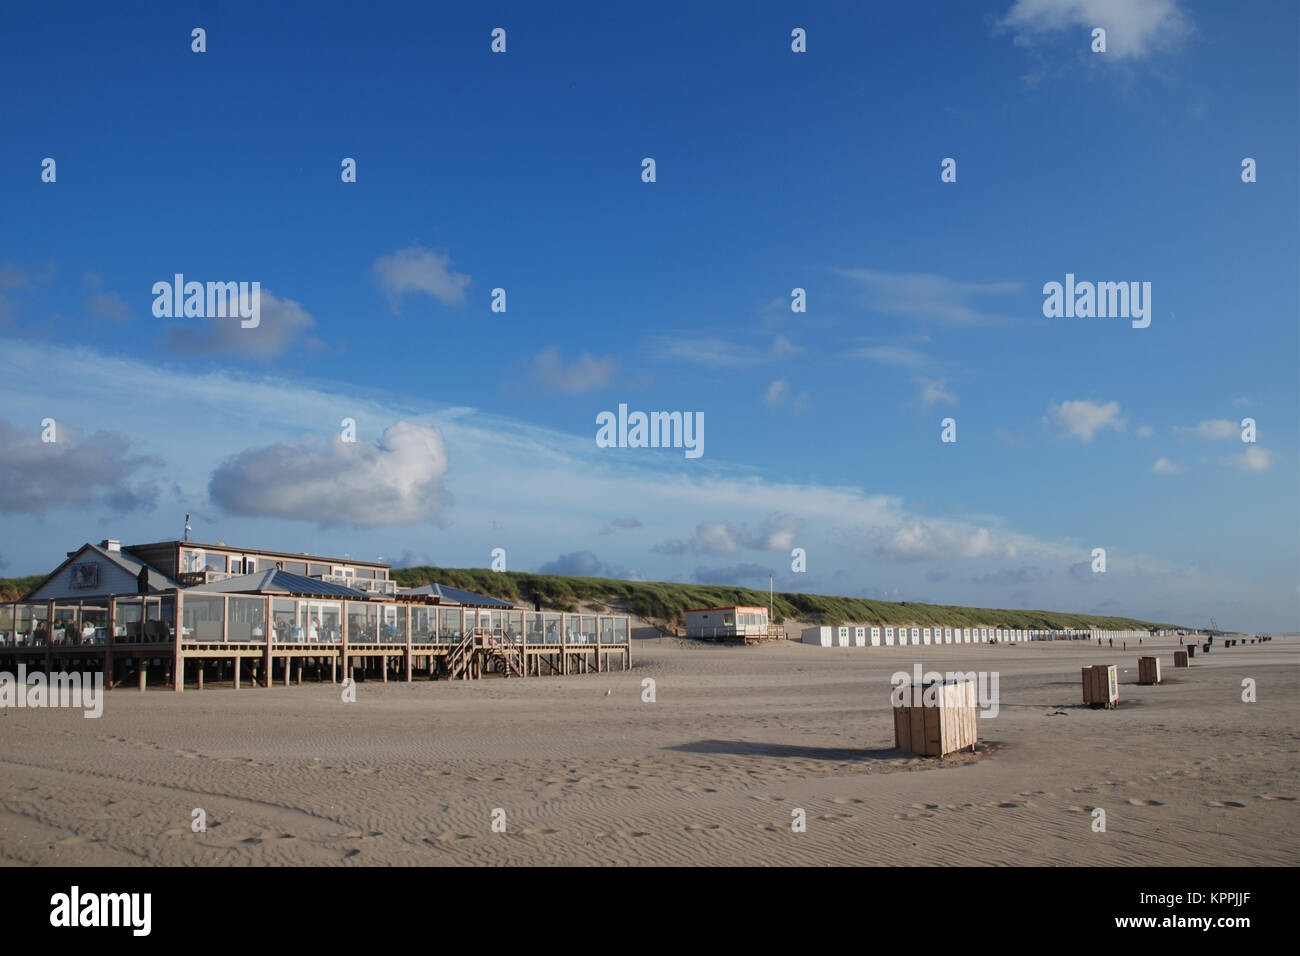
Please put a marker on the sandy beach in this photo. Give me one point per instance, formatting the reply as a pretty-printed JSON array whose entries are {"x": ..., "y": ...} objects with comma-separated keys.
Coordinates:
[{"x": 709, "y": 773}]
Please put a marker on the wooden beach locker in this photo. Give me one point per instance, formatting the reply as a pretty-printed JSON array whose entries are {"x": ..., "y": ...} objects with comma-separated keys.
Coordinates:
[
  {"x": 1101, "y": 685},
  {"x": 943, "y": 727},
  {"x": 1148, "y": 670},
  {"x": 1180, "y": 658}
]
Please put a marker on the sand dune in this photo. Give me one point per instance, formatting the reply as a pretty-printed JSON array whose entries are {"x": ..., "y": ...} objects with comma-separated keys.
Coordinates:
[{"x": 707, "y": 774}]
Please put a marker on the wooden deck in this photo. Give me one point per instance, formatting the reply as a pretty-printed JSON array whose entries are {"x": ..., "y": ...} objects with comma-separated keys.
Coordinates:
[{"x": 263, "y": 663}]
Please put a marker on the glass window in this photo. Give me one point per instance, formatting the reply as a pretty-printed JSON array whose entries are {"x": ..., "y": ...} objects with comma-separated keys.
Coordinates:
[
  {"x": 533, "y": 628},
  {"x": 620, "y": 630},
  {"x": 202, "y": 619},
  {"x": 366, "y": 573},
  {"x": 449, "y": 625},
  {"x": 214, "y": 562},
  {"x": 284, "y": 614},
  {"x": 6, "y": 624},
  {"x": 551, "y": 624},
  {"x": 363, "y": 622},
  {"x": 316, "y": 570},
  {"x": 191, "y": 561},
  {"x": 514, "y": 626},
  {"x": 295, "y": 567},
  {"x": 247, "y": 620},
  {"x": 588, "y": 629}
]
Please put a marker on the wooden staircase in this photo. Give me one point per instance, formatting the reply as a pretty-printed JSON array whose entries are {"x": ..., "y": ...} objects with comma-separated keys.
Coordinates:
[{"x": 479, "y": 646}]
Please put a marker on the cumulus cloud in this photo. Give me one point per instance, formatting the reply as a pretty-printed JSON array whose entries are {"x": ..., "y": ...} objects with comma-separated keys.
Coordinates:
[
  {"x": 777, "y": 533},
  {"x": 420, "y": 271},
  {"x": 929, "y": 297},
  {"x": 585, "y": 564},
  {"x": 587, "y": 372},
  {"x": 394, "y": 481},
  {"x": 1253, "y": 458},
  {"x": 919, "y": 540},
  {"x": 1145, "y": 431},
  {"x": 1164, "y": 466},
  {"x": 1084, "y": 419},
  {"x": 283, "y": 325},
  {"x": 1134, "y": 28},
  {"x": 415, "y": 559},
  {"x": 75, "y": 470}
]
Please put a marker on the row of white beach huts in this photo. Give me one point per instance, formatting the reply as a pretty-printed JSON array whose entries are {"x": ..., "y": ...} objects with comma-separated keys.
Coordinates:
[{"x": 858, "y": 635}]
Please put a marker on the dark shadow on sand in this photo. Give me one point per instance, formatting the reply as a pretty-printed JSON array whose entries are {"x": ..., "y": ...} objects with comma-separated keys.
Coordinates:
[{"x": 745, "y": 748}]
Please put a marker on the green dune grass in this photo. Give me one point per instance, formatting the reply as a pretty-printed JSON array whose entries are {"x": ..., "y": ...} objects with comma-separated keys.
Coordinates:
[{"x": 667, "y": 602}]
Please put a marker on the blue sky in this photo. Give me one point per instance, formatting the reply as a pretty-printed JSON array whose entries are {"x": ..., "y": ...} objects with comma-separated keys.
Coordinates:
[{"x": 774, "y": 170}]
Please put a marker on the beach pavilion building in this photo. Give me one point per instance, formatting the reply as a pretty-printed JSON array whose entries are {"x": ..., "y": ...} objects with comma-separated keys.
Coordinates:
[{"x": 188, "y": 611}]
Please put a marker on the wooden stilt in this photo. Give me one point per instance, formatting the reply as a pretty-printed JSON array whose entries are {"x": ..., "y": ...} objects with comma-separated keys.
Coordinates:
[
  {"x": 199, "y": 665},
  {"x": 236, "y": 673},
  {"x": 144, "y": 672}
]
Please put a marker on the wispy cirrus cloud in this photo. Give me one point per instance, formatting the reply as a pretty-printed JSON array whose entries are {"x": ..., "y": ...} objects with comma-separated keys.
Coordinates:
[
  {"x": 1215, "y": 429},
  {"x": 929, "y": 297},
  {"x": 715, "y": 352}
]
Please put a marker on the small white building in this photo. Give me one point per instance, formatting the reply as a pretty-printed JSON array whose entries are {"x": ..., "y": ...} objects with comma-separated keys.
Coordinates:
[
  {"x": 821, "y": 636},
  {"x": 726, "y": 622}
]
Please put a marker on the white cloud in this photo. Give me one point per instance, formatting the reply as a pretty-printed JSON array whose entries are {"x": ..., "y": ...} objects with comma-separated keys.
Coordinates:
[
  {"x": 1145, "y": 431},
  {"x": 391, "y": 482},
  {"x": 584, "y": 374},
  {"x": 930, "y": 297},
  {"x": 420, "y": 270},
  {"x": 1253, "y": 458},
  {"x": 72, "y": 472},
  {"x": 284, "y": 324},
  {"x": 779, "y": 395},
  {"x": 1134, "y": 28},
  {"x": 721, "y": 353},
  {"x": 1084, "y": 419},
  {"x": 934, "y": 392},
  {"x": 1217, "y": 429},
  {"x": 1164, "y": 466},
  {"x": 898, "y": 355}
]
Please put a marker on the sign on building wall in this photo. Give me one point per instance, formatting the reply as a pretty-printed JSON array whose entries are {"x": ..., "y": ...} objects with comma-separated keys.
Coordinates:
[{"x": 84, "y": 575}]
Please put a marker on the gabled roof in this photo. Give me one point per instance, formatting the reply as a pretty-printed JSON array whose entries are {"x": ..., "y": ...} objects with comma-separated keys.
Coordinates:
[
  {"x": 449, "y": 595},
  {"x": 275, "y": 581},
  {"x": 157, "y": 580}
]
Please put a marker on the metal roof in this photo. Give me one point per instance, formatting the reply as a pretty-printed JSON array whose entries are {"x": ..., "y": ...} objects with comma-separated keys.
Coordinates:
[
  {"x": 293, "y": 555},
  {"x": 449, "y": 595},
  {"x": 275, "y": 581}
]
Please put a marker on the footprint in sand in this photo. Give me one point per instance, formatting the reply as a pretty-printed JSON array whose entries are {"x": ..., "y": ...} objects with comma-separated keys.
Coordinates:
[
  {"x": 1272, "y": 796},
  {"x": 361, "y": 835},
  {"x": 447, "y": 837},
  {"x": 623, "y": 834},
  {"x": 537, "y": 831},
  {"x": 1133, "y": 801},
  {"x": 694, "y": 789},
  {"x": 75, "y": 841},
  {"x": 912, "y": 816},
  {"x": 692, "y": 827},
  {"x": 1226, "y": 803}
]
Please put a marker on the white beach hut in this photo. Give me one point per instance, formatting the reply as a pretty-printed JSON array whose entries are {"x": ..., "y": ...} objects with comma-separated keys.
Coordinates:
[
  {"x": 857, "y": 635},
  {"x": 875, "y": 636},
  {"x": 821, "y": 636}
]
